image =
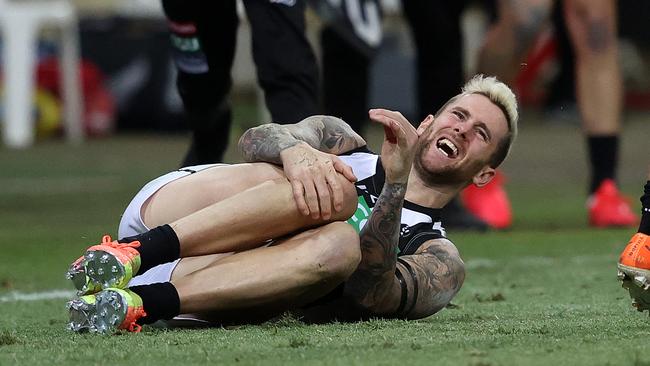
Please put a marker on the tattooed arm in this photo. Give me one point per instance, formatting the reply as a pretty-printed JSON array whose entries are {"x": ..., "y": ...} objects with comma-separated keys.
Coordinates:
[
  {"x": 430, "y": 278},
  {"x": 325, "y": 133},
  {"x": 373, "y": 286},
  {"x": 307, "y": 152},
  {"x": 413, "y": 286}
]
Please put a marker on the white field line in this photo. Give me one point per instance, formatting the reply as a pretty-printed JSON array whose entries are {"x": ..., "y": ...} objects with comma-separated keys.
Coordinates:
[
  {"x": 18, "y": 296},
  {"x": 471, "y": 264},
  {"x": 58, "y": 185}
]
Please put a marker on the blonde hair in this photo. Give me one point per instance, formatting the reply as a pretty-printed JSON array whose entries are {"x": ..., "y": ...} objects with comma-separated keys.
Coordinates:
[{"x": 501, "y": 95}]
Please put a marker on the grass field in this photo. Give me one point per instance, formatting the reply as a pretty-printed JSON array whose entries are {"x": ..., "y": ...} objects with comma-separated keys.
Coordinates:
[{"x": 542, "y": 293}]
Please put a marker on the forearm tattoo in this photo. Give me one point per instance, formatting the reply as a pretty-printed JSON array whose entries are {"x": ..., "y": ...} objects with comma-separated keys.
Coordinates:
[
  {"x": 336, "y": 135},
  {"x": 375, "y": 275},
  {"x": 432, "y": 277},
  {"x": 324, "y": 133},
  {"x": 264, "y": 143}
]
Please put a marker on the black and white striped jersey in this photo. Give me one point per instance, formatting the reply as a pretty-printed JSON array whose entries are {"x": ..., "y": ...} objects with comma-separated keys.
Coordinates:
[{"x": 419, "y": 223}]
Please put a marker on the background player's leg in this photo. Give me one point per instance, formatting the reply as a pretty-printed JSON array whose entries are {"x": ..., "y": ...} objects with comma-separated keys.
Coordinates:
[
  {"x": 203, "y": 43},
  {"x": 509, "y": 39},
  {"x": 285, "y": 63},
  {"x": 346, "y": 73},
  {"x": 593, "y": 31}
]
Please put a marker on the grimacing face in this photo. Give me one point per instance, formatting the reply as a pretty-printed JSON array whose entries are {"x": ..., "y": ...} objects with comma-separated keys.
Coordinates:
[{"x": 455, "y": 148}]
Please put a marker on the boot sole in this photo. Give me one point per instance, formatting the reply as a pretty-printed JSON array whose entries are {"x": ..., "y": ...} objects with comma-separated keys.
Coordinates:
[{"x": 637, "y": 282}]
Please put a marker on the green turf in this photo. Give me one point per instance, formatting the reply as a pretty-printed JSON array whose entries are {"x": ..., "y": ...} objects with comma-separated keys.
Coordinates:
[{"x": 542, "y": 293}]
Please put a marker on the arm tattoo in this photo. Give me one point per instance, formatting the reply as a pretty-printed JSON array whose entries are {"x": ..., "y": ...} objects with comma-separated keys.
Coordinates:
[
  {"x": 264, "y": 143},
  {"x": 432, "y": 277},
  {"x": 375, "y": 276},
  {"x": 325, "y": 133}
]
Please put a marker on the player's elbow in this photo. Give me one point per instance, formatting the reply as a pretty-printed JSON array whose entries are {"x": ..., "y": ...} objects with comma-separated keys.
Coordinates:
[{"x": 445, "y": 292}]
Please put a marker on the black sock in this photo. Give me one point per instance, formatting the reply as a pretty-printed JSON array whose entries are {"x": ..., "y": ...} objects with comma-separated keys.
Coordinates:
[
  {"x": 159, "y": 300},
  {"x": 157, "y": 246},
  {"x": 644, "y": 226},
  {"x": 603, "y": 156}
]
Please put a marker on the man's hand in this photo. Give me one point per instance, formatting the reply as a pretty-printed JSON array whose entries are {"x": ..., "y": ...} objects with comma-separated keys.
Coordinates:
[
  {"x": 398, "y": 149},
  {"x": 313, "y": 177}
]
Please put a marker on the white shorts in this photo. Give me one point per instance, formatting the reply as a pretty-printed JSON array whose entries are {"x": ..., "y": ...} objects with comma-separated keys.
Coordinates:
[{"x": 131, "y": 223}]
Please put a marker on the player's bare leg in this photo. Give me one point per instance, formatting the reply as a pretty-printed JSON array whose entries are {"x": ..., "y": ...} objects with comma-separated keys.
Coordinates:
[
  {"x": 512, "y": 36},
  {"x": 232, "y": 220},
  {"x": 592, "y": 27},
  {"x": 235, "y": 221},
  {"x": 263, "y": 282},
  {"x": 249, "y": 286}
]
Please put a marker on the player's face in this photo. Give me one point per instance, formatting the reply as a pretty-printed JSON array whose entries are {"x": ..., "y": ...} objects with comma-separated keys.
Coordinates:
[{"x": 458, "y": 144}]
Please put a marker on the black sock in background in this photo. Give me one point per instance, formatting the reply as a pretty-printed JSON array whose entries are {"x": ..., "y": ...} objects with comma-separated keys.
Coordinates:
[
  {"x": 159, "y": 300},
  {"x": 644, "y": 226},
  {"x": 603, "y": 156},
  {"x": 157, "y": 246}
]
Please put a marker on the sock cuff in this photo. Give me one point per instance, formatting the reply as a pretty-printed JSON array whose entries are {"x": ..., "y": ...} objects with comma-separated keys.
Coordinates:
[
  {"x": 170, "y": 233},
  {"x": 159, "y": 300}
]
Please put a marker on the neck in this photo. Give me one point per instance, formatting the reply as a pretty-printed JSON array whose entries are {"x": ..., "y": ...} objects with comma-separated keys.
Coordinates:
[{"x": 434, "y": 196}]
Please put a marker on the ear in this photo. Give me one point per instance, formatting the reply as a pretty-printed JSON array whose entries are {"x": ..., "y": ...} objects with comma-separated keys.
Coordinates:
[
  {"x": 484, "y": 176},
  {"x": 424, "y": 124}
]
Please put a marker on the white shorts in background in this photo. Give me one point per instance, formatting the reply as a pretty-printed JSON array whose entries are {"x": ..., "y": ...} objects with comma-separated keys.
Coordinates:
[{"x": 131, "y": 223}]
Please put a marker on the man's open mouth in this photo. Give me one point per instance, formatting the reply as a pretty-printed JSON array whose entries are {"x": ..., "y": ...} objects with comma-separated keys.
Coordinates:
[{"x": 447, "y": 147}]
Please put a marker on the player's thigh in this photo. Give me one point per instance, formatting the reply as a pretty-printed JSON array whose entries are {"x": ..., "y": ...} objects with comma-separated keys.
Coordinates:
[{"x": 204, "y": 188}]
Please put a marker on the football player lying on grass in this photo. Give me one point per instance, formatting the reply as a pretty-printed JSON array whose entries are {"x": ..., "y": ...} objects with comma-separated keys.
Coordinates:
[{"x": 316, "y": 224}]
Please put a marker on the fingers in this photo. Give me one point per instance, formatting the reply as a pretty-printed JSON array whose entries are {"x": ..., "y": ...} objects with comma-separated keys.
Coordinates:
[
  {"x": 394, "y": 124},
  {"x": 335, "y": 188},
  {"x": 324, "y": 199},
  {"x": 317, "y": 189},
  {"x": 311, "y": 198},
  {"x": 344, "y": 169},
  {"x": 299, "y": 197}
]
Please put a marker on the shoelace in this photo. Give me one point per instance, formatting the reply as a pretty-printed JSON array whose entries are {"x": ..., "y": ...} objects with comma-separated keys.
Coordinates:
[
  {"x": 106, "y": 240},
  {"x": 133, "y": 326}
]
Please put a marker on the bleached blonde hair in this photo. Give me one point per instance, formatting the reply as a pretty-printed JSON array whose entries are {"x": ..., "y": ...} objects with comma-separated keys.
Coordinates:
[{"x": 501, "y": 95}]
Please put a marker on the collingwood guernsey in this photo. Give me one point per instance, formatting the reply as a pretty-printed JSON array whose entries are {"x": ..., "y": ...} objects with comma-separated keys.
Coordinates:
[{"x": 418, "y": 223}]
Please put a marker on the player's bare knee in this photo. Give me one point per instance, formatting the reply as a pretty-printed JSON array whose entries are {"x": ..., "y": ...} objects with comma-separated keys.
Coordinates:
[
  {"x": 527, "y": 27},
  {"x": 336, "y": 251}
]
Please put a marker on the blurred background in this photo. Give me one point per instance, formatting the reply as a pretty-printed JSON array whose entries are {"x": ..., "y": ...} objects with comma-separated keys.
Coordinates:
[
  {"x": 91, "y": 110},
  {"x": 128, "y": 77}
]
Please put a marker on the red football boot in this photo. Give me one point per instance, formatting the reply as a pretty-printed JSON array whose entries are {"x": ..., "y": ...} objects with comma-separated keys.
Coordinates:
[
  {"x": 489, "y": 203},
  {"x": 608, "y": 207}
]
